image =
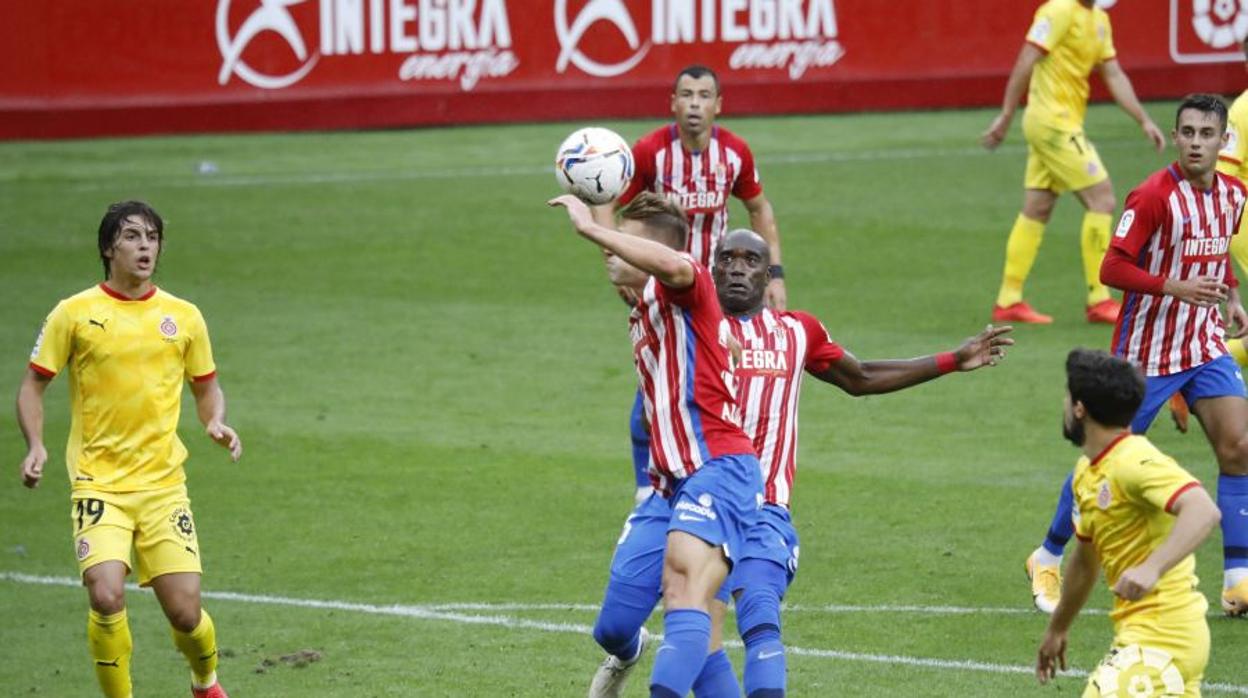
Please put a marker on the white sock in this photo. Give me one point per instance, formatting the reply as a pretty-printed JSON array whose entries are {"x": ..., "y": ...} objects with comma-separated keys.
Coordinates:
[
  {"x": 212, "y": 680},
  {"x": 1046, "y": 558},
  {"x": 1234, "y": 576}
]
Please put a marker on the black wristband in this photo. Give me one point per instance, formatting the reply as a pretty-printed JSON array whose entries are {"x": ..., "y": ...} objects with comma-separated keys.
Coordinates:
[{"x": 776, "y": 271}]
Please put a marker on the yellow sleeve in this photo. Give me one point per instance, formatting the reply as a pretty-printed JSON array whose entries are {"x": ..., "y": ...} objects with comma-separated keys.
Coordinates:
[
  {"x": 1049, "y": 26},
  {"x": 1083, "y": 527},
  {"x": 1155, "y": 482},
  {"x": 1231, "y": 157},
  {"x": 55, "y": 342},
  {"x": 1108, "y": 51},
  {"x": 199, "y": 363}
]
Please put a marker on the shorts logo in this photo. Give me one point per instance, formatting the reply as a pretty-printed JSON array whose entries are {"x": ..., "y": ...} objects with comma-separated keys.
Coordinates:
[
  {"x": 182, "y": 523},
  {"x": 168, "y": 327},
  {"x": 1104, "y": 497},
  {"x": 84, "y": 549},
  {"x": 1138, "y": 671},
  {"x": 705, "y": 500},
  {"x": 695, "y": 509},
  {"x": 1124, "y": 223}
]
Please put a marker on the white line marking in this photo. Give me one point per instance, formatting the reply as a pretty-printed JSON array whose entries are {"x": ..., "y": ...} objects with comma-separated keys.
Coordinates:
[
  {"x": 108, "y": 180},
  {"x": 433, "y": 613}
]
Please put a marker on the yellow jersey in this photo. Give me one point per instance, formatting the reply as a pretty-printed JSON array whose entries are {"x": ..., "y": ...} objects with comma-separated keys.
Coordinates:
[
  {"x": 1075, "y": 39},
  {"x": 1123, "y": 499},
  {"x": 1233, "y": 158},
  {"x": 127, "y": 362}
]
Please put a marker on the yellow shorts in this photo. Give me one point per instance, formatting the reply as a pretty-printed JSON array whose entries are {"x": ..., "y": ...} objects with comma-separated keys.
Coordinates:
[
  {"x": 156, "y": 524},
  {"x": 1154, "y": 658},
  {"x": 1060, "y": 159}
]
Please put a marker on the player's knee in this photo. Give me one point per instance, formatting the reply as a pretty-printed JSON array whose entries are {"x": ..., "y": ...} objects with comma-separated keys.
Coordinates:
[
  {"x": 758, "y": 614},
  {"x": 1232, "y": 454},
  {"x": 612, "y": 632},
  {"x": 184, "y": 617},
  {"x": 106, "y": 598}
]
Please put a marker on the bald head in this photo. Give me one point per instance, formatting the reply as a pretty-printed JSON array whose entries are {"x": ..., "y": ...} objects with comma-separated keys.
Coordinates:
[{"x": 740, "y": 271}]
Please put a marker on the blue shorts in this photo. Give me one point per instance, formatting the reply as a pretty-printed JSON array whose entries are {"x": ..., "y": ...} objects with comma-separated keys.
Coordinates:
[
  {"x": 720, "y": 503},
  {"x": 773, "y": 539},
  {"x": 638, "y": 558},
  {"x": 1218, "y": 378}
]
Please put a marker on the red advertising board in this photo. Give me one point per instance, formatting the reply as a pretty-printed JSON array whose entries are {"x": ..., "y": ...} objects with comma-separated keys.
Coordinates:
[{"x": 85, "y": 67}]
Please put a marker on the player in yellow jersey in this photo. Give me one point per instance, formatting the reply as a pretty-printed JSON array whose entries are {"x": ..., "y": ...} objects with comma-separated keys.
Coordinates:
[
  {"x": 129, "y": 347},
  {"x": 1067, "y": 41},
  {"x": 1138, "y": 516}
]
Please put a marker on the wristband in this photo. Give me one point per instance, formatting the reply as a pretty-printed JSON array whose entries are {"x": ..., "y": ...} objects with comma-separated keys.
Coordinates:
[
  {"x": 946, "y": 362},
  {"x": 776, "y": 271}
]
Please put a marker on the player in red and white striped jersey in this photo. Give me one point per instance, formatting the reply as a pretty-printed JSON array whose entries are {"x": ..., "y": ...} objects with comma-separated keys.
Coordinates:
[
  {"x": 777, "y": 347},
  {"x": 698, "y": 165},
  {"x": 1170, "y": 256}
]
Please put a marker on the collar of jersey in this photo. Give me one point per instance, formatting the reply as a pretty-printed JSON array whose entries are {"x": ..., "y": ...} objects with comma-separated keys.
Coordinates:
[
  {"x": 113, "y": 294},
  {"x": 1109, "y": 447}
]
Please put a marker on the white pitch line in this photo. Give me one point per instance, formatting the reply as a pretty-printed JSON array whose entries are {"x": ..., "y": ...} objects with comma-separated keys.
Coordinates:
[
  {"x": 110, "y": 180},
  {"x": 434, "y": 613}
]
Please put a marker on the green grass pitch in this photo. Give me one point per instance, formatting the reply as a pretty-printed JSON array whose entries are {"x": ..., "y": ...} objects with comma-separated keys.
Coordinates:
[{"x": 432, "y": 379}]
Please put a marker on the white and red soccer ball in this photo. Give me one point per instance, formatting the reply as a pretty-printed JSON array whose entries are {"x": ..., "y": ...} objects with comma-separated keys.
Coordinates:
[{"x": 594, "y": 164}]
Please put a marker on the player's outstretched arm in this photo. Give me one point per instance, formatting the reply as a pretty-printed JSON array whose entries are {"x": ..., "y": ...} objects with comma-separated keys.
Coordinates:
[
  {"x": 763, "y": 222},
  {"x": 1081, "y": 573},
  {"x": 1196, "y": 516},
  {"x": 657, "y": 259},
  {"x": 1020, "y": 77},
  {"x": 874, "y": 377},
  {"x": 30, "y": 421},
  {"x": 1120, "y": 88},
  {"x": 210, "y": 404}
]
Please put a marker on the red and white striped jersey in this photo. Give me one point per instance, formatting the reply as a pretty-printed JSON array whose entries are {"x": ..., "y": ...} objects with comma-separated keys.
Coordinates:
[
  {"x": 699, "y": 182},
  {"x": 1177, "y": 231},
  {"x": 775, "y": 348},
  {"x": 680, "y": 346}
]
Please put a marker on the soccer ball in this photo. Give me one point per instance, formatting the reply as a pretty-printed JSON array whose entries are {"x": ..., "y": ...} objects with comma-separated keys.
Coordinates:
[{"x": 594, "y": 164}]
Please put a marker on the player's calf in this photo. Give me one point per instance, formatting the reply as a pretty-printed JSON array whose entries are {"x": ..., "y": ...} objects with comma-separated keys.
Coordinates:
[{"x": 758, "y": 619}]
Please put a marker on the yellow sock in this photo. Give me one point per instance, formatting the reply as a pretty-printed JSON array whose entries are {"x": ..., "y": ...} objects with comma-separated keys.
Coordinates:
[
  {"x": 108, "y": 638},
  {"x": 200, "y": 649},
  {"x": 1094, "y": 241},
  {"x": 1020, "y": 254},
  {"x": 1238, "y": 351}
]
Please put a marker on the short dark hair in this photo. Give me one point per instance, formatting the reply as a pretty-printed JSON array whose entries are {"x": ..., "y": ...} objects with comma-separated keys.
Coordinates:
[
  {"x": 1110, "y": 389},
  {"x": 661, "y": 215},
  {"x": 117, "y": 214},
  {"x": 696, "y": 72},
  {"x": 1204, "y": 103}
]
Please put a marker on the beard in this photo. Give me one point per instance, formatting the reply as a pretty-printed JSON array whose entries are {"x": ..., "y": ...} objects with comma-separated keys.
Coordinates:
[{"x": 1074, "y": 433}]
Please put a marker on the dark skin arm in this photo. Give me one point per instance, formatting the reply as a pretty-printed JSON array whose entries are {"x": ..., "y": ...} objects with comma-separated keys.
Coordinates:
[{"x": 874, "y": 377}]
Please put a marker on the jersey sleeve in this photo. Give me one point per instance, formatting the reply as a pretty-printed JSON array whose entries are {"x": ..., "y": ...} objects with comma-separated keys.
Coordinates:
[
  {"x": 748, "y": 184},
  {"x": 1142, "y": 215},
  {"x": 1108, "y": 51},
  {"x": 55, "y": 342},
  {"x": 1049, "y": 26},
  {"x": 1155, "y": 482},
  {"x": 702, "y": 291},
  {"x": 821, "y": 351},
  {"x": 199, "y": 363},
  {"x": 1083, "y": 527},
  {"x": 643, "y": 171},
  {"x": 1231, "y": 157}
]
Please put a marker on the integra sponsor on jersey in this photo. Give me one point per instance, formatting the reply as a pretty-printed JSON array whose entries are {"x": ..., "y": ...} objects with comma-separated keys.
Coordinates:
[
  {"x": 1205, "y": 249},
  {"x": 796, "y": 35},
  {"x": 764, "y": 361},
  {"x": 698, "y": 201}
]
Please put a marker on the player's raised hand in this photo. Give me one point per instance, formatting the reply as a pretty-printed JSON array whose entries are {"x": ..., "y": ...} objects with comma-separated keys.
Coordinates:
[
  {"x": 1205, "y": 291},
  {"x": 984, "y": 349},
  {"x": 227, "y": 438},
  {"x": 1136, "y": 582},
  {"x": 32, "y": 465},
  {"x": 1052, "y": 653},
  {"x": 1154, "y": 134},
  {"x": 775, "y": 296},
  {"x": 995, "y": 134},
  {"x": 578, "y": 211}
]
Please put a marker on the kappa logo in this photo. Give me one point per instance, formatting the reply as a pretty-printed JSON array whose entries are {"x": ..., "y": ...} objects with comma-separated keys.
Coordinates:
[
  {"x": 270, "y": 15},
  {"x": 570, "y": 35}
]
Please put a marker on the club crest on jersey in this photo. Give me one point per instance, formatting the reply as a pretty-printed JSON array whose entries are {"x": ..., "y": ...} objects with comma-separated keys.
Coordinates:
[
  {"x": 1104, "y": 497},
  {"x": 168, "y": 327},
  {"x": 84, "y": 549}
]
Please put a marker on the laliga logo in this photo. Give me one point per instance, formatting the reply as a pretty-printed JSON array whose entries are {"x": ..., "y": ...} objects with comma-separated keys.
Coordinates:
[
  {"x": 594, "y": 11},
  {"x": 1220, "y": 23},
  {"x": 271, "y": 15},
  {"x": 1138, "y": 672}
]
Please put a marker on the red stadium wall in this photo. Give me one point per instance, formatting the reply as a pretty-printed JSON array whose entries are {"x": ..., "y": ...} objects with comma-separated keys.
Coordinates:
[{"x": 92, "y": 67}]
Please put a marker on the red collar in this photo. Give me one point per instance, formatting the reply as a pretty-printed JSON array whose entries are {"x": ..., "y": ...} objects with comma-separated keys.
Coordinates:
[
  {"x": 118, "y": 296},
  {"x": 1109, "y": 447}
]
